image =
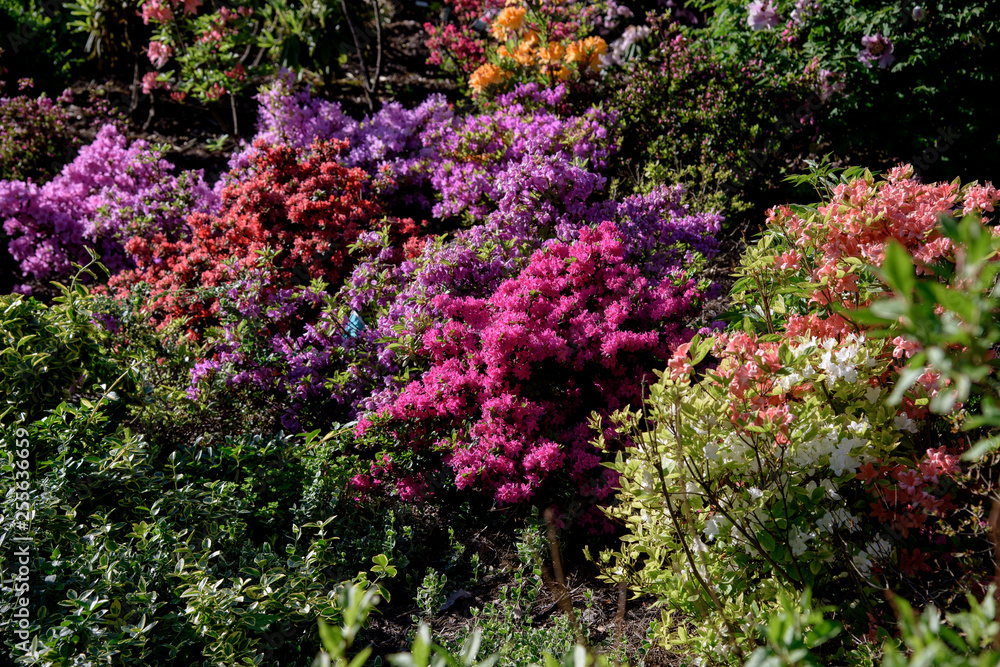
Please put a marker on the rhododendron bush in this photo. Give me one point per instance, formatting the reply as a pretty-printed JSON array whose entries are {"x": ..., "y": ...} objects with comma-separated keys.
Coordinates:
[
  {"x": 547, "y": 37},
  {"x": 294, "y": 218},
  {"x": 109, "y": 193},
  {"x": 788, "y": 452},
  {"x": 515, "y": 377}
]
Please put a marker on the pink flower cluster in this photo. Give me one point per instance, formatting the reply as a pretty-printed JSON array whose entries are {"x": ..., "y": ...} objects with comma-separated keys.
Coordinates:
[
  {"x": 514, "y": 377},
  {"x": 903, "y": 499},
  {"x": 161, "y": 12},
  {"x": 858, "y": 222}
]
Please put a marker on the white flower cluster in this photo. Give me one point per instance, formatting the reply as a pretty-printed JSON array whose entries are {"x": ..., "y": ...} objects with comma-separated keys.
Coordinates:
[
  {"x": 879, "y": 549},
  {"x": 904, "y": 423},
  {"x": 830, "y": 446},
  {"x": 842, "y": 364},
  {"x": 797, "y": 540}
]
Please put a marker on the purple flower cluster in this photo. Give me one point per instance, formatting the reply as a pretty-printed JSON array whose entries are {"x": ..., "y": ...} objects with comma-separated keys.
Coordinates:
[
  {"x": 523, "y": 165},
  {"x": 395, "y": 144},
  {"x": 109, "y": 193}
]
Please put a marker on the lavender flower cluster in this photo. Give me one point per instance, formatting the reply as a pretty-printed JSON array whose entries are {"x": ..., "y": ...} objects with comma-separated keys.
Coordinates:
[{"x": 110, "y": 192}]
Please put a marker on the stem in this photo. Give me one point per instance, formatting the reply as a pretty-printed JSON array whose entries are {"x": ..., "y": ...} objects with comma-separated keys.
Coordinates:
[
  {"x": 370, "y": 84},
  {"x": 232, "y": 106},
  {"x": 684, "y": 545},
  {"x": 563, "y": 598}
]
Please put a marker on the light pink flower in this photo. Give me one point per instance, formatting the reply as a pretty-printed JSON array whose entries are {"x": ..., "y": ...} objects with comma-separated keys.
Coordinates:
[
  {"x": 156, "y": 11},
  {"x": 150, "y": 83},
  {"x": 876, "y": 48},
  {"x": 761, "y": 15},
  {"x": 159, "y": 53}
]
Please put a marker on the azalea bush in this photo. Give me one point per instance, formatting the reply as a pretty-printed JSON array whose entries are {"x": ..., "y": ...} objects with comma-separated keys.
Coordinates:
[
  {"x": 530, "y": 49},
  {"x": 726, "y": 130},
  {"x": 546, "y": 42},
  {"x": 797, "y": 457},
  {"x": 576, "y": 311},
  {"x": 875, "y": 57},
  {"x": 208, "y": 47},
  {"x": 34, "y": 136},
  {"x": 109, "y": 193},
  {"x": 290, "y": 217}
]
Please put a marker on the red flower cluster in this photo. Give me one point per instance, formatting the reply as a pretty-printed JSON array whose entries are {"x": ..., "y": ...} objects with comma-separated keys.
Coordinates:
[
  {"x": 904, "y": 497},
  {"x": 295, "y": 217}
]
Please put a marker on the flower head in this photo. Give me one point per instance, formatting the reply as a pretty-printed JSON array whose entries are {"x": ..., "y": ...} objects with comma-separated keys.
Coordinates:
[
  {"x": 761, "y": 15},
  {"x": 587, "y": 52},
  {"x": 159, "y": 53},
  {"x": 487, "y": 75},
  {"x": 876, "y": 48},
  {"x": 507, "y": 21}
]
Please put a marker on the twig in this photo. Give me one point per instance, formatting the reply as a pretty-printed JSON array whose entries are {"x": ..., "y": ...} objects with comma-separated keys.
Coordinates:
[
  {"x": 558, "y": 584},
  {"x": 370, "y": 83}
]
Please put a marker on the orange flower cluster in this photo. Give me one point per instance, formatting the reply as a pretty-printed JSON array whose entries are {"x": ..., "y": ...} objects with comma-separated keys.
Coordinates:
[
  {"x": 553, "y": 58},
  {"x": 587, "y": 52},
  {"x": 487, "y": 74},
  {"x": 507, "y": 21}
]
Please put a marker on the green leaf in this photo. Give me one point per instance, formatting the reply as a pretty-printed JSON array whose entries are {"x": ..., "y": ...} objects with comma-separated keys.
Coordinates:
[{"x": 898, "y": 271}]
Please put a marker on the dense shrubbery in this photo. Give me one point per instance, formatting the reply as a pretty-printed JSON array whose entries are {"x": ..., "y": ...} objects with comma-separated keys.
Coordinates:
[
  {"x": 34, "y": 136},
  {"x": 880, "y": 56},
  {"x": 804, "y": 456},
  {"x": 369, "y": 338}
]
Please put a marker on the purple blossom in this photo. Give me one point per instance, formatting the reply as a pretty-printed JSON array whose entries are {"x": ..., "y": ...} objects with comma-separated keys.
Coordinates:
[{"x": 876, "y": 48}]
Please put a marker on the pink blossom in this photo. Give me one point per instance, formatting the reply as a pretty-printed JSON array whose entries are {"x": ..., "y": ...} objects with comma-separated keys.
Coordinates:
[
  {"x": 876, "y": 48},
  {"x": 904, "y": 347},
  {"x": 787, "y": 261},
  {"x": 761, "y": 15},
  {"x": 980, "y": 199},
  {"x": 151, "y": 83},
  {"x": 159, "y": 53},
  {"x": 909, "y": 480},
  {"x": 154, "y": 10}
]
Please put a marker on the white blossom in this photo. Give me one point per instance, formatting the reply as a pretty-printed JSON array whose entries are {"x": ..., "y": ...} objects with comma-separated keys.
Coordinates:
[{"x": 904, "y": 423}]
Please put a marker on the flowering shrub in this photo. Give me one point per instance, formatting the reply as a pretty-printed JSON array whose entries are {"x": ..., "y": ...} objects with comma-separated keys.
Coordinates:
[
  {"x": 394, "y": 145},
  {"x": 386, "y": 303},
  {"x": 209, "y": 48},
  {"x": 541, "y": 42},
  {"x": 801, "y": 459},
  {"x": 514, "y": 377},
  {"x": 32, "y": 133},
  {"x": 884, "y": 55},
  {"x": 687, "y": 116},
  {"x": 110, "y": 192},
  {"x": 526, "y": 163},
  {"x": 294, "y": 218},
  {"x": 531, "y": 50}
]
